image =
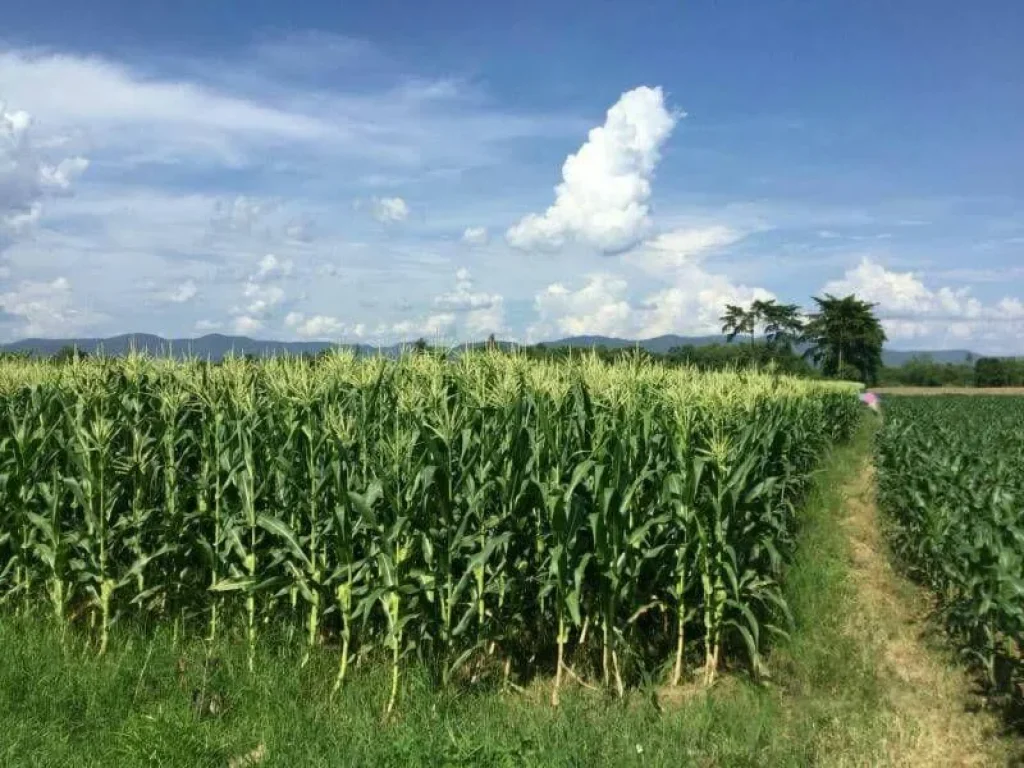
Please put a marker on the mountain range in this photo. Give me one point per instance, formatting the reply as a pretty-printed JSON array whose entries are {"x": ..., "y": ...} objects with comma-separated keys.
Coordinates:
[{"x": 216, "y": 346}]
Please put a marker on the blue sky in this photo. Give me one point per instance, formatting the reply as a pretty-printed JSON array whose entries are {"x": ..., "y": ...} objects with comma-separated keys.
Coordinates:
[{"x": 381, "y": 171}]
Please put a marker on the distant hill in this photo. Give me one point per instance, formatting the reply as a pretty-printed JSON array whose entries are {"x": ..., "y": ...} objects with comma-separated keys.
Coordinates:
[{"x": 216, "y": 346}]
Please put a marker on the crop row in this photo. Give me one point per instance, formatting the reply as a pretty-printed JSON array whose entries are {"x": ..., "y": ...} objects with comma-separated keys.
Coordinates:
[
  {"x": 489, "y": 510},
  {"x": 951, "y": 480}
]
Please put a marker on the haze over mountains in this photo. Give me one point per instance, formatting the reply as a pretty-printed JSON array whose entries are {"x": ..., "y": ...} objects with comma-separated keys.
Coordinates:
[{"x": 216, "y": 346}]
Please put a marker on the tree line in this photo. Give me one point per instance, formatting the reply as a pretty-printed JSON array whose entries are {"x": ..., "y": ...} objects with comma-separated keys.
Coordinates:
[{"x": 842, "y": 336}]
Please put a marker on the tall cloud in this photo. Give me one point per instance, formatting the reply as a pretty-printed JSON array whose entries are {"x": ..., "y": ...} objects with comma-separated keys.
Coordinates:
[{"x": 603, "y": 198}]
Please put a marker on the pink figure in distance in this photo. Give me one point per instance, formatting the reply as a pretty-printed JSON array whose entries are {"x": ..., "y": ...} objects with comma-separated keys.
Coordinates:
[{"x": 870, "y": 399}]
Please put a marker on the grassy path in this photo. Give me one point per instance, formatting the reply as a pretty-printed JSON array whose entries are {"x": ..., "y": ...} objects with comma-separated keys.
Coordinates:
[{"x": 933, "y": 718}]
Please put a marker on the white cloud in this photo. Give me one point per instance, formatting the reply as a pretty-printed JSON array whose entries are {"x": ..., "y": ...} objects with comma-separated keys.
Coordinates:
[
  {"x": 694, "y": 304},
  {"x": 114, "y": 102},
  {"x": 244, "y": 110},
  {"x": 606, "y": 185},
  {"x": 46, "y": 309},
  {"x": 27, "y": 177},
  {"x": 671, "y": 251},
  {"x": 245, "y": 324},
  {"x": 909, "y": 309},
  {"x": 475, "y": 236},
  {"x": 691, "y": 302},
  {"x": 461, "y": 314},
  {"x": 319, "y": 326},
  {"x": 261, "y": 294},
  {"x": 186, "y": 291},
  {"x": 481, "y": 313},
  {"x": 438, "y": 325},
  {"x": 261, "y": 298},
  {"x": 600, "y": 308},
  {"x": 464, "y": 298},
  {"x": 390, "y": 209},
  {"x": 271, "y": 267},
  {"x": 206, "y": 326}
]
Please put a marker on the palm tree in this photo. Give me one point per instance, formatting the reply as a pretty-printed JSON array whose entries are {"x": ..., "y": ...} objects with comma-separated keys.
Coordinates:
[
  {"x": 844, "y": 336},
  {"x": 737, "y": 320}
]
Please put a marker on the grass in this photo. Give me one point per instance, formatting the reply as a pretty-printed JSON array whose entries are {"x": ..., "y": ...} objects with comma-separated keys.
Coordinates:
[{"x": 153, "y": 701}]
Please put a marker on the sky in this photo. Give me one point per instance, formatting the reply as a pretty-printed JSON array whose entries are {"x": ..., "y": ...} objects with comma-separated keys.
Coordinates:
[{"x": 379, "y": 172}]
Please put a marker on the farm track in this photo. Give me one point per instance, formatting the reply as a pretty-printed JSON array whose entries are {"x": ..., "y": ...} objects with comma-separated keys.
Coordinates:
[{"x": 934, "y": 717}]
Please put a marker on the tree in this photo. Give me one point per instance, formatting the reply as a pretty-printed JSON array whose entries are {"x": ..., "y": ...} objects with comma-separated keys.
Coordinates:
[
  {"x": 69, "y": 353},
  {"x": 420, "y": 345},
  {"x": 782, "y": 323},
  {"x": 845, "y": 337},
  {"x": 737, "y": 320}
]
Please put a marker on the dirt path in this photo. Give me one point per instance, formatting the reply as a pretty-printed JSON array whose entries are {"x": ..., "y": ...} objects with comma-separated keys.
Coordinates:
[{"x": 933, "y": 718}]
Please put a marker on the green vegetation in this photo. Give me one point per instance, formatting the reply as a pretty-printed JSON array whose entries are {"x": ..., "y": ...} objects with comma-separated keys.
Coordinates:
[
  {"x": 490, "y": 515},
  {"x": 165, "y": 698},
  {"x": 951, "y": 477},
  {"x": 845, "y": 338},
  {"x": 999, "y": 372},
  {"x": 923, "y": 371}
]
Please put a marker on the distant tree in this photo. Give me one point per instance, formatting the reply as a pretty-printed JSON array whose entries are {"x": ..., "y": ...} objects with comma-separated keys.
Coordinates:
[
  {"x": 68, "y": 353},
  {"x": 782, "y": 323},
  {"x": 998, "y": 372},
  {"x": 420, "y": 345},
  {"x": 738, "y": 320},
  {"x": 491, "y": 342},
  {"x": 845, "y": 337}
]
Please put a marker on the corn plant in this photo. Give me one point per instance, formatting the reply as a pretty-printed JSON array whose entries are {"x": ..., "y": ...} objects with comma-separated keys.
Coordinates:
[{"x": 482, "y": 514}]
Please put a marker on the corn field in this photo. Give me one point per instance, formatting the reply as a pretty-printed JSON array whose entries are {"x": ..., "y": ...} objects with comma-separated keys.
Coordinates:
[
  {"x": 951, "y": 480},
  {"x": 485, "y": 515}
]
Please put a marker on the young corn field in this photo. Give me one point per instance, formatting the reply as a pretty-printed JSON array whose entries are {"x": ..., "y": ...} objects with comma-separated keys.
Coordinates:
[
  {"x": 951, "y": 479},
  {"x": 488, "y": 516}
]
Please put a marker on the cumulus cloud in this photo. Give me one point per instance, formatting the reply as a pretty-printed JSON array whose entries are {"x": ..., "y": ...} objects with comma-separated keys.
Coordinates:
[
  {"x": 319, "y": 326},
  {"x": 271, "y": 267},
  {"x": 475, "y": 236},
  {"x": 690, "y": 302},
  {"x": 463, "y": 297},
  {"x": 600, "y": 307},
  {"x": 27, "y": 176},
  {"x": 460, "y": 314},
  {"x": 482, "y": 313},
  {"x": 261, "y": 298},
  {"x": 909, "y": 309},
  {"x": 389, "y": 209},
  {"x": 185, "y": 291},
  {"x": 245, "y": 324},
  {"x": 46, "y": 309},
  {"x": 262, "y": 294},
  {"x": 606, "y": 185}
]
